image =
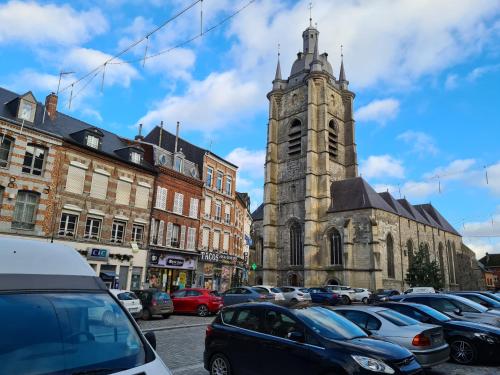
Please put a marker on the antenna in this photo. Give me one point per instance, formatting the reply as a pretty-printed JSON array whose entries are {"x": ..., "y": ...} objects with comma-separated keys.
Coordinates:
[
  {"x": 310, "y": 14},
  {"x": 60, "y": 76}
]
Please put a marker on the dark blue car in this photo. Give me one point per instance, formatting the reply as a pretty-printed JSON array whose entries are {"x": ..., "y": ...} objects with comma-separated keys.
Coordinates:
[
  {"x": 324, "y": 296},
  {"x": 469, "y": 342},
  {"x": 271, "y": 338}
]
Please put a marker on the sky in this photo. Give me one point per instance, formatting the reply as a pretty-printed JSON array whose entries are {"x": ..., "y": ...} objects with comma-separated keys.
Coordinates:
[{"x": 426, "y": 76}]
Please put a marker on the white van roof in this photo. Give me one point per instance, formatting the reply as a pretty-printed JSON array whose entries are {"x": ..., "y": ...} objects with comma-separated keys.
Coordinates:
[{"x": 39, "y": 265}]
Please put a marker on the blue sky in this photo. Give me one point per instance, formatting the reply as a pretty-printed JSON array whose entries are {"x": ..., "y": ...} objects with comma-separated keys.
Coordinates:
[{"x": 426, "y": 75}]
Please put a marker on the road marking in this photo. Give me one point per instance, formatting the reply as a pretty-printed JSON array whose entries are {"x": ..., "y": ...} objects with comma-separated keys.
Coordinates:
[
  {"x": 187, "y": 368},
  {"x": 175, "y": 327}
]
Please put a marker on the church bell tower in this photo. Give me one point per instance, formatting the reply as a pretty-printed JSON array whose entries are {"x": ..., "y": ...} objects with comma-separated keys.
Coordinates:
[{"x": 310, "y": 144}]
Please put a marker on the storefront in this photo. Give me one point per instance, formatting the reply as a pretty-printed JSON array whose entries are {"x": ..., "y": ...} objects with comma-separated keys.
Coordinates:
[
  {"x": 170, "y": 271},
  {"x": 216, "y": 270}
]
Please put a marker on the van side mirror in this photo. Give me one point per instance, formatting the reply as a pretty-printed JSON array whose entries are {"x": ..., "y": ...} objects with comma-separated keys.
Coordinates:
[
  {"x": 151, "y": 337},
  {"x": 296, "y": 336}
]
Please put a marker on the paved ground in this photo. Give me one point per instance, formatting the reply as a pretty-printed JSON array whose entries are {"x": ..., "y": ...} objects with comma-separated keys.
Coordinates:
[{"x": 180, "y": 341}]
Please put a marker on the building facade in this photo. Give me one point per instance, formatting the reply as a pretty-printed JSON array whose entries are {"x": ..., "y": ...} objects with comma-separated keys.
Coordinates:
[
  {"x": 491, "y": 270},
  {"x": 320, "y": 222}
]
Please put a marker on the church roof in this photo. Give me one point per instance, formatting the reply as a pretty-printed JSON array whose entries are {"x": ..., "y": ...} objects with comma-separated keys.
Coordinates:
[
  {"x": 436, "y": 215},
  {"x": 356, "y": 194},
  {"x": 258, "y": 214},
  {"x": 396, "y": 206}
]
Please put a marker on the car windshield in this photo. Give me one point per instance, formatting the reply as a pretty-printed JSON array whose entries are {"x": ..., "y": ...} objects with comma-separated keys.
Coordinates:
[
  {"x": 66, "y": 333},
  {"x": 479, "y": 298},
  {"x": 329, "y": 324},
  {"x": 304, "y": 290},
  {"x": 276, "y": 290},
  {"x": 383, "y": 291},
  {"x": 397, "y": 318},
  {"x": 434, "y": 313},
  {"x": 467, "y": 305},
  {"x": 496, "y": 297},
  {"x": 260, "y": 290},
  {"x": 127, "y": 296}
]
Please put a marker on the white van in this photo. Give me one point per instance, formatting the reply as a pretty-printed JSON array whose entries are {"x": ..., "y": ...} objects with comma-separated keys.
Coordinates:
[
  {"x": 51, "y": 311},
  {"x": 420, "y": 289}
]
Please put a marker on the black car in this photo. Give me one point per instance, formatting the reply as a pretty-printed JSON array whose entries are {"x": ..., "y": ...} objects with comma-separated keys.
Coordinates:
[
  {"x": 480, "y": 298},
  {"x": 469, "y": 342},
  {"x": 272, "y": 338},
  {"x": 381, "y": 295}
]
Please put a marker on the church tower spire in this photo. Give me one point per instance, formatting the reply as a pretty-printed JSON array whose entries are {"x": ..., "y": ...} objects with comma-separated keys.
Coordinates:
[
  {"x": 277, "y": 82},
  {"x": 342, "y": 79}
]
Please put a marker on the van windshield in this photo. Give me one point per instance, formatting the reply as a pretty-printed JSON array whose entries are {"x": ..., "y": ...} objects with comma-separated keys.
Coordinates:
[{"x": 66, "y": 333}]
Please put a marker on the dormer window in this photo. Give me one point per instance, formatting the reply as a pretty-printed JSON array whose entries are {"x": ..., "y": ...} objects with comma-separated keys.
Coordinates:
[
  {"x": 135, "y": 157},
  {"x": 92, "y": 141},
  {"x": 26, "y": 110},
  {"x": 179, "y": 163}
]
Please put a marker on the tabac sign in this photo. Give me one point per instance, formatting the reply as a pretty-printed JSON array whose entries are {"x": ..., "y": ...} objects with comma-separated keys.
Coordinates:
[{"x": 213, "y": 257}]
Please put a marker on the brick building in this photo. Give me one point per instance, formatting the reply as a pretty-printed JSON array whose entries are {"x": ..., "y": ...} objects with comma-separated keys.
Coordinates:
[
  {"x": 175, "y": 221},
  {"x": 100, "y": 193},
  {"x": 29, "y": 164},
  {"x": 218, "y": 266},
  {"x": 491, "y": 266}
]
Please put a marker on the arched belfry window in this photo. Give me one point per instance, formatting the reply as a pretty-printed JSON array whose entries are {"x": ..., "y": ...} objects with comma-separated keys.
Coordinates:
[
  {"x": 333, "y": 139},
  {"x": 296, "y": 245},
  {"x": 335, "y": 243},
  {"x": 294, "y": 138},
  {"x": 390, "y": 257},
  {"x": 441, "y": 260},
  {"x": 409, "y": 247}
]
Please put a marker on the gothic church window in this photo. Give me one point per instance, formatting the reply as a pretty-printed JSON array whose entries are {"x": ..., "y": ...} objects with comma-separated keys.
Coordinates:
[
  {"x": 332, "y": 139},
  {"x": 335, "y": 247},
  {"x": 449, "y": 256},
  {"x": 390, "y": 257},
  {"x": 441, "y": 260},
  {"x": 294, "y": 138},
  {"x": 296, "y": 245},
  {"x": 409, "y": 247}
]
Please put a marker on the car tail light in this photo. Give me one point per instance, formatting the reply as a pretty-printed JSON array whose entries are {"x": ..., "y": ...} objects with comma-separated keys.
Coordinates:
[
  {"x": 421, "y": 340},
  {"x": 154, "y": 302},
  {"x": 209, "y": 331},
  {"x": 262, "y": 296}
]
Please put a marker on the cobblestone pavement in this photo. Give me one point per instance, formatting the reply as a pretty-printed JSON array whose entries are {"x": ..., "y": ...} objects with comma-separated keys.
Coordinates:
[{"x": 180, "y": 343}]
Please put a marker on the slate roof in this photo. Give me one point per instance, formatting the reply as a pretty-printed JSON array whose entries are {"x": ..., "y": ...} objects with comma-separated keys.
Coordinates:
[
  {"x": 258, "y": 214},
  {"x": 66, "y": 127},
  {"x": 490, "y": 260},
  {"x": 191, "y": 151}
]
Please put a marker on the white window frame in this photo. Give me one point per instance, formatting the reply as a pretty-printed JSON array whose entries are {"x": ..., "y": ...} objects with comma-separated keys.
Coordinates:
[
  {"x": 66, "y": 222},
  {"x": 135, "y": 227},
  {"x": 178, "y": 203},
  {"x": 114, "y": 231},
  {"x": 210, "y": 176},
  {"x": 92, "y": 141},
  {"x": 227, "y": 214},
  {"x": 229, "y": 185},
  {"x": 218, "y": 211},
  {"x": 87, "y": 234},
  {"x": 135, "y": 157},
  {"x": 219, "y": 177},
  {"x": 193, "y": 207},
  {"x": 191, "y": 239},
  {"x": 161, "y": 198}
]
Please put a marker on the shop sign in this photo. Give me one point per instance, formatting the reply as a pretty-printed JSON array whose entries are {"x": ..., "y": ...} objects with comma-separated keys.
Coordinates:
[
  {"x": 163, "y": 260},
  {"x": 98, "y": 254},
  {"x": 213, "y": 257}
]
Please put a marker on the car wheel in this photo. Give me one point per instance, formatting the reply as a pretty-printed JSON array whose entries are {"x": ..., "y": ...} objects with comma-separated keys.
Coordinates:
[
  {"x": 202, "y": 310},
  {"x": 463, "y": 351},
  {"x": 219, "y": 365},
  {"x": 146, "y": 314},
  {"x": 346, "y": 300},
  {"x": 294, "y": 300},
  {"x": 365, "y": 300}
]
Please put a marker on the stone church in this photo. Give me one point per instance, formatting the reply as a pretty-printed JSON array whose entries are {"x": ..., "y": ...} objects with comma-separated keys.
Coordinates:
[{"x": 320, "y": 222}]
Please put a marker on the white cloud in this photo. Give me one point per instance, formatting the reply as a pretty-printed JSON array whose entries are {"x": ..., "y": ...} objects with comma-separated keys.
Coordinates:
[
  {"x": 208, "y": 105},
  {"x": 451, "y": 82},
  {"x": 378, "y": 111},
  {"x": 480, "y": 71},
  {"x": 456, "y": 170},
  {"x": 35, "y": 24},
  {"x": 250, "y": 162},
  {"x": 380, "y": 166},
  {"x": 480, "y": 236},
  {"x": 420, "y": 142}
]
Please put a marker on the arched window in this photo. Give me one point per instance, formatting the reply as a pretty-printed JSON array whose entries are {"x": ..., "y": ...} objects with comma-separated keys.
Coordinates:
[
  {"x": 293, "y": 279},
  {"x": 409, "y": 247},
  {"x": 426, "y": 252},
  {"x": 332, "y": 139},
  {"x": 261, "y": 250},
  {"x": 335, "y": 240},
  {"x": 295, "y": 138},
  {"x": 390, "y": 257},
  {"x": 441, "y": 260},
  {"x": 296, "y": 245},
  {"x": 451, "y": 268}
]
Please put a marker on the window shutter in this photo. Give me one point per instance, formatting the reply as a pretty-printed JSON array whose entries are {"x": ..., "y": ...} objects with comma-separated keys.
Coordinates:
[
  {"x": 208, "y": 206},
  {"x": 183, "y": 236},
  {"x": 216, "y": 240},
  {"x": 193, "y": 207},
  {"x": 99, "y": 187},
  {"x": 191, "y": 238},
  {"x": 227, "y": 209},
  {"x": 161, "y": 198},
  {"x": 178, "y": 203},
  {"x": 160, "y": 232},
  {"x": 123, "y": 192},
  {"x": 75, "y": 180},
  {"x": 169, "y": 234},
  {"x": 141, "y": 197},
  {"x": 205, "y": 239},
  {"x": 225, "y": 245},
  {"x": 153, "y": 231},
  {"x": 158, "y": 197}
]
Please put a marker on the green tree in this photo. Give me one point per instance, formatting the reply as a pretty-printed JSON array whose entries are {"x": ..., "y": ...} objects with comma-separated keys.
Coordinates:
[{"x": 423, "y": 271}]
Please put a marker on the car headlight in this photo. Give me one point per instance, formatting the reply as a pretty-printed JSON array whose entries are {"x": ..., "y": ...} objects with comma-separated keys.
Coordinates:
[
  {"x": 485, "y": 337},
  {"x": 372, "y": 364}
]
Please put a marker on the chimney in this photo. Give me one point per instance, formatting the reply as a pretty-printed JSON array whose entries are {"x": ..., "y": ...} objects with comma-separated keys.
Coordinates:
[
  {"x": 161, "y": 133},
  {"x": 139, "y": 136},
  {"x": 51, "y": 105},
  {"x": 176, "y": 137}
]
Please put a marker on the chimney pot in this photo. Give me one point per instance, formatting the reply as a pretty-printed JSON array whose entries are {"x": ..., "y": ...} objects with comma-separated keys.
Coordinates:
[{"x": 51, "y": 105}]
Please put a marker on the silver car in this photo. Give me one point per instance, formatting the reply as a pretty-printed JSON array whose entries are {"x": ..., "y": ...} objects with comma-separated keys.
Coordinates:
[
  {"x": 276, "y": 292},
  {"x": 295, "y": 293},
  {"x": 425, "y": 341}
]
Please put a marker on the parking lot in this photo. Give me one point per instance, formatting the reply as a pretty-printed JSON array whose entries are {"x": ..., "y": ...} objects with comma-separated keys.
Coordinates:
[{"x": 180, "y": 343}]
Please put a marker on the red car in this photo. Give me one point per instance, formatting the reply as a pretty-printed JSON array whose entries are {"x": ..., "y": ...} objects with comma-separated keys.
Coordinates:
[{"x": 196, "y": 300}]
